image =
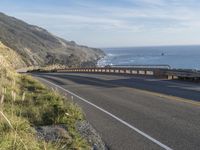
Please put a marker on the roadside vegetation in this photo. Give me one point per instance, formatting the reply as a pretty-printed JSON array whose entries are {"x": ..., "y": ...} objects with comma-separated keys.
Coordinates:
[
  {"x": 48, "y": 68},
  {"x": 25, "y": 105}
]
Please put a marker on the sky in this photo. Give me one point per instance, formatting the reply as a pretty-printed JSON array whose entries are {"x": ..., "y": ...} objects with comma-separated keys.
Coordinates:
[{"x": 113, "y": 23}]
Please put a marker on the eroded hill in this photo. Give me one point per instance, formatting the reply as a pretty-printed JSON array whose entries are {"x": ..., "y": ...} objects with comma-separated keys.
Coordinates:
[{"x": 36, "y": 46}]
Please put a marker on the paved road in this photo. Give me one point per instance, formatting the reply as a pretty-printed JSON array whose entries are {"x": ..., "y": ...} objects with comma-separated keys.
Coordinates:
[{"x": 136, "y": 113}]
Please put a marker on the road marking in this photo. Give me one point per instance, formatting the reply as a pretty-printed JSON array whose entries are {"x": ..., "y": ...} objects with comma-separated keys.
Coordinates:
[
  {"x": 113, "y": 116},
  {"x": 169, "y": 97}
]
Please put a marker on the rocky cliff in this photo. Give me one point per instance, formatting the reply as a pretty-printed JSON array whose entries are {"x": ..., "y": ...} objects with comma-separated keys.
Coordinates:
[{"x": 36, "y": 46}]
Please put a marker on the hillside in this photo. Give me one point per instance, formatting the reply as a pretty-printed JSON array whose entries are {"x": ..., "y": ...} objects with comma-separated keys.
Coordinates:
[
  {"x": 36, "y": 46},
  {"x": 35, "y": 117},
  {"x": 11, "y": 57}
]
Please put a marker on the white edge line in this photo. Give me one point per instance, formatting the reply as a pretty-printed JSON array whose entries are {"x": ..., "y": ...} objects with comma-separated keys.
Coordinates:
[{"x": 113, "y": 116}]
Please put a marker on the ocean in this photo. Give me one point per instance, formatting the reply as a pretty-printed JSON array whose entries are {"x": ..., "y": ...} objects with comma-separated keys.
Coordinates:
[{"x": 179, "y": 57}]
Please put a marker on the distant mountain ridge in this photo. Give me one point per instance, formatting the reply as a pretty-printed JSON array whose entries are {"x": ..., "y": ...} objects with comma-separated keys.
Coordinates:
[{"x": 38, "y": 47}]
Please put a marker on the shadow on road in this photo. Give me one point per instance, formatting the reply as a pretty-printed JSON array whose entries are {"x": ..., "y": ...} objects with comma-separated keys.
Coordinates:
[{"x": 168, "y": 88}]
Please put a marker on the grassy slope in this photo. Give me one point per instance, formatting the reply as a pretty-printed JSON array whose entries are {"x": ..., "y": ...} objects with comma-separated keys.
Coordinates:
[
  {"x": 24, "y": 104},
  {"x": 11, "y": 57}
]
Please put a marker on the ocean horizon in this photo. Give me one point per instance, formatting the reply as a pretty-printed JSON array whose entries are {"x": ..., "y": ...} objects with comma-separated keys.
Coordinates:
[{"x": 179, "y": 57}]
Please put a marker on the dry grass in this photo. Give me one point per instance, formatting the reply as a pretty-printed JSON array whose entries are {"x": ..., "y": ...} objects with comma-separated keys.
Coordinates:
[
  {"x": 47, "y": 68},
  {"x": 25, "y": 103},
  {"x": 11, "y": 57}
]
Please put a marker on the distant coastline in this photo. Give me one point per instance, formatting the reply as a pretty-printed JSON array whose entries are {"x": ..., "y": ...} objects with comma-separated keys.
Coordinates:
[{"x": 180, "y": 57}]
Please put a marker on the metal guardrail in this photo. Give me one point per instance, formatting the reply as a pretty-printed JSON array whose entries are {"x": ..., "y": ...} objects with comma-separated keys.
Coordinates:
[
  {"x": 157, "y": 72},
  {"x": 160, "y": 66},
  {"x": 184, "y": 73}
]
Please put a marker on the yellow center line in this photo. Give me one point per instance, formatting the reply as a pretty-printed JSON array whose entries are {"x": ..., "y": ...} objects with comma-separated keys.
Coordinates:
[{"x": 170, "y": 97}]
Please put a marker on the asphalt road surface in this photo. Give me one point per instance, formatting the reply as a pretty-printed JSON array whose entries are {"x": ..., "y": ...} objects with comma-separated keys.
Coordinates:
[{"x": 135, "y": 113}]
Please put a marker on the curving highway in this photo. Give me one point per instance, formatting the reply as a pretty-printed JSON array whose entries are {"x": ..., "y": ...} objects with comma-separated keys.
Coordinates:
[{"x": 135, "y": 113}]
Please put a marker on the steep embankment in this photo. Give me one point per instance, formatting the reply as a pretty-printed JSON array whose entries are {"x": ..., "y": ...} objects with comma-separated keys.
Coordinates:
[
  {"x": 11, "y": 57},
  {"x": 37, "y": 46},
  {"x": 29, "y": 110},
  {"x": 34, "y": 117}
]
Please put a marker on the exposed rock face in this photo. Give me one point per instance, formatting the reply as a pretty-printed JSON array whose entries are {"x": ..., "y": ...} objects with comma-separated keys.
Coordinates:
[{"x": 37, "y": 46}]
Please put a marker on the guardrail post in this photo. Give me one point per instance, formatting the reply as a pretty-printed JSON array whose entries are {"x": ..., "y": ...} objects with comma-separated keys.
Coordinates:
[
  {"x": 160, "y": 73},
  {"x": 145, "y": 72},
  {"x": 170, "y": 77}
]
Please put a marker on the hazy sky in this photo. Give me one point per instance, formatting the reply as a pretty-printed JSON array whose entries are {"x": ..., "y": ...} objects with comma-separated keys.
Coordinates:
[{"x": 108, "y": 23}]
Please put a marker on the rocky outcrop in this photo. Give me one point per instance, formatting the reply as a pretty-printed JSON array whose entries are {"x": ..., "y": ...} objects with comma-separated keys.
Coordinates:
[
  {"x": 90, "y": 134},
  {"x": 55, "y": 133}
]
